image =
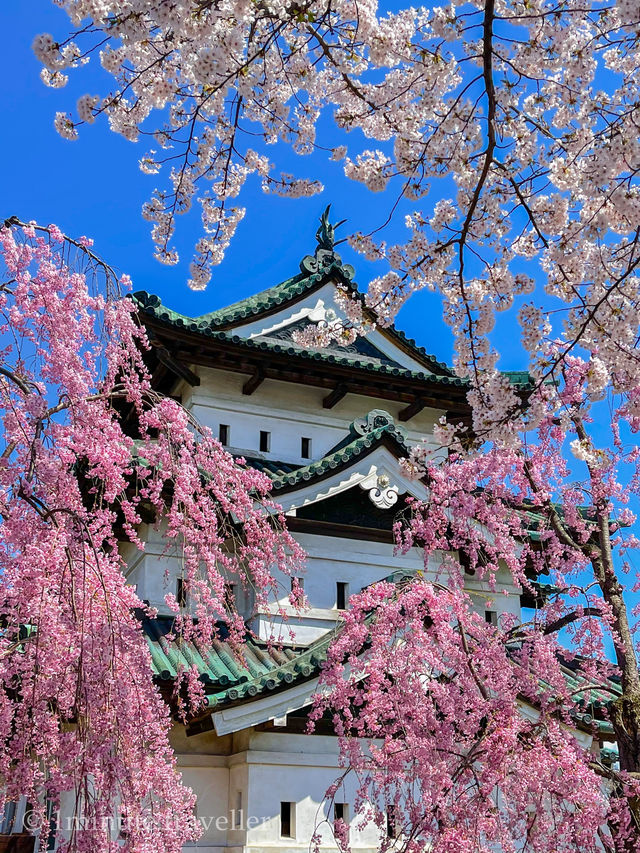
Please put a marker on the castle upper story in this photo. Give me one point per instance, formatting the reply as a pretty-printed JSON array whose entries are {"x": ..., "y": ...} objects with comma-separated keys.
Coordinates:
[{"x": 329, "y": 425}]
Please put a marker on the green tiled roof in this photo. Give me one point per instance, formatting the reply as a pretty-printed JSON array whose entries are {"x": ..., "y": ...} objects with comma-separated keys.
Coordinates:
[
  {"x": 285, "y": 474},
  {"x": 152, "y": 306},
  {"x": 342, "y": 455},
  {"x": 349, "y": 360},
  {"x": 272, "y": 467},
  {"x": 208, "y": 326},
  {"x": 245, "y": 309},
  {"x": 219, "y": 666},
  {"x": 304, "y": 664},
  {"x": 362, "y": 438},
  {"x": 315, "y": 271},
  {"x": 593, "y": 702},
  {"x": 519, "y": 378},
  {"x": 230, "y": 675},
  {"x": 280, "y": 294}
]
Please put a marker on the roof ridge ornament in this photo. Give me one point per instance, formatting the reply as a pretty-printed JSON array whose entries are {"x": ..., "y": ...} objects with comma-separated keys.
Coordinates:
[
  {"x": 375, "y": 419},
  {"x": 326, "y": 233},
  {"x": 325, "y": 254}
]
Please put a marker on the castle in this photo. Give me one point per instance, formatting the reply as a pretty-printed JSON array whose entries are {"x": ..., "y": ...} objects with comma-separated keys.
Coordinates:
[{"x": 330, "y": 427}]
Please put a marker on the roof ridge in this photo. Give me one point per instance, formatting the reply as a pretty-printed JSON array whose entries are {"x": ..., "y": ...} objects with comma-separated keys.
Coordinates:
[
  {"x": 314, "y": 271},
  {"x": 342, "y": 454},
  {"x": 267, "y": 294},
  {"x": 152, "y": 305}
]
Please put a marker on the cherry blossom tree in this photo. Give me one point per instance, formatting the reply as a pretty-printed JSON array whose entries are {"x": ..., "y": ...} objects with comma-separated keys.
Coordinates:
[
  {"x": 432, "y": 725},
  {"x": 511, "y": 126},
  {"x": 518, "y": 118},
  {"x": 89, "y": 451}
]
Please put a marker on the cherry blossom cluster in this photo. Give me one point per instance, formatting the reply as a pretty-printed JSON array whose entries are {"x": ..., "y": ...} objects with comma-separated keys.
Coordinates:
[
  {"x": 512, "y": 127},
  {"x": 516, "y": 120},
  {"x": 430, "y": 714}
]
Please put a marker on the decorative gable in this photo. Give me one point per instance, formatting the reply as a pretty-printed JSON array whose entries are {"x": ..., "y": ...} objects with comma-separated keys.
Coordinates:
[
  {"x": 361, "y": 348},
  {"x": 365, "y": 464}
]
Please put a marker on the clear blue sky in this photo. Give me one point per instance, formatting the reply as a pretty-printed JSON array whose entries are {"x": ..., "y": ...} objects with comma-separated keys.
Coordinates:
[{"x": 93, "y": 186}]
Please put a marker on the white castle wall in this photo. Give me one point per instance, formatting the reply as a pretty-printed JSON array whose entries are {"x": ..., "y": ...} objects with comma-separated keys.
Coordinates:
[
  {"x": 289, "y": 412},
  {"x": 253, "y": 771},
  {"x": 264, "y": 770}
]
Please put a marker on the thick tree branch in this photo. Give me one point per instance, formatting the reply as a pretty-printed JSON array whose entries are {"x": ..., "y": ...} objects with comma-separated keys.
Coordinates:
[{"x": 569, "y": 618}]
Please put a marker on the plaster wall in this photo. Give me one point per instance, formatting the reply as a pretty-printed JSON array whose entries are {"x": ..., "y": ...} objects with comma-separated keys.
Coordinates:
[
  {"x": 330, "y": 560},
  {"x": 240, "y": 795},
  {"x": 155, "y": 571},
  {"x": 359, "y": 563},
  {"x": 289, "y": 412}
]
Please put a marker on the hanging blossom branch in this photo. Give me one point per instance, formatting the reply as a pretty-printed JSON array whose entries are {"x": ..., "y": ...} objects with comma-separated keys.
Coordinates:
[
  {"x": 90, "y": 451},
  {"x": 434, "y": 695},
  {"x": 518, "y": 121},
  {"x": 431, "y": 725}
]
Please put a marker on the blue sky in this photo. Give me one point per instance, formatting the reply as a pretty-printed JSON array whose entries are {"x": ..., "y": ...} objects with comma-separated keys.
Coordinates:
[{"x": 93, "y": 186}]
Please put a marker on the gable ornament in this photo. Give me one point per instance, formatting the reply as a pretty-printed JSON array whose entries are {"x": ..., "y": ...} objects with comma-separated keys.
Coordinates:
[
  {"x": 381, "y": 493},
  {"x": 373, "y": 420}
]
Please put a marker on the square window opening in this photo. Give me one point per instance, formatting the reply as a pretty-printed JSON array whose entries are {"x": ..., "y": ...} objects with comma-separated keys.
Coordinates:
[
  {"x": 491, "y": 617},
  {"x": 342, "y": 595},
  {"x": 465, "y": 562},
  {"x": 341, "y": 812},
  {"x": 287, "y": 820},
  {"x": 181, "y": 592}
]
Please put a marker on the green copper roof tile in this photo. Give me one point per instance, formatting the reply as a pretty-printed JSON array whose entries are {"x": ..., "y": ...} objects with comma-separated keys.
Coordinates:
[
  {"x": 152, "y": 306},
  {"x": 315, "y": 271},
  {"x": 266, "y": 300},
  {"x": 341, "y": 456},
  {"x": 219, "y": 667},
  {"x": 296, "y": 665},
  {"x": 162, "y": 667},
  {"x": 268, "y": 669},
  {"x": 518, "y": 378},
  {"x": 329, "y": 267}
]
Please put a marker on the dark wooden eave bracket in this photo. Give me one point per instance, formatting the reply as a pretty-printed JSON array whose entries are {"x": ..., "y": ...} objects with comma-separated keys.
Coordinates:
[
  {"x": 253, "y": 382},
  {"x": 335, "y": 396},
  {"x": 176, "y": 367},
  {"x": 412, "y": 409}
]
